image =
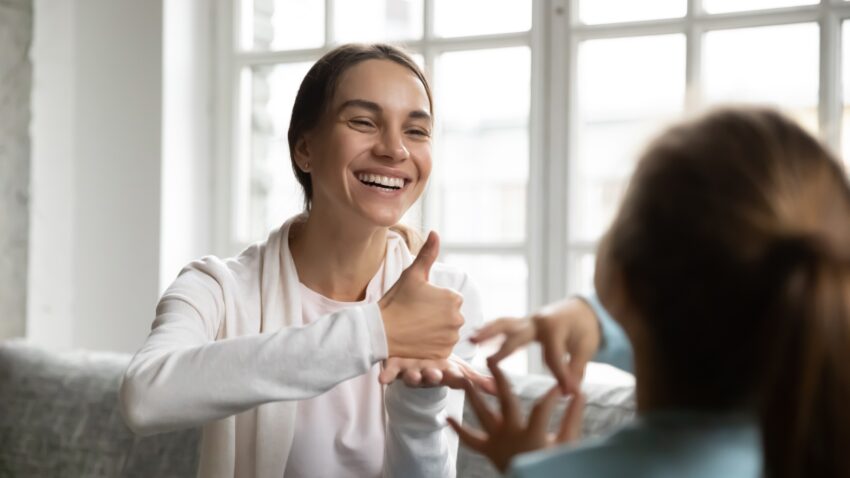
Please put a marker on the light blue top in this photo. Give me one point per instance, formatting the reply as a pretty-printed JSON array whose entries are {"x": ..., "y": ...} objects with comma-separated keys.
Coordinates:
[
  {"x": 660, "y": 444},
  {"x": 669, "y": 444}
]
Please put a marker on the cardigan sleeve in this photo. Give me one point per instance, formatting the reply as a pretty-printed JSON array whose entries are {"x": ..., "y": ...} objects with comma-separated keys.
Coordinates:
[
  {"x": 419, "y": 444},
  {"x": 183, "y": 377}
]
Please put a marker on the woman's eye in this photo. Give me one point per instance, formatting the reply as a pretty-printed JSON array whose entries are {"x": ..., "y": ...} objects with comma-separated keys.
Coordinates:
[
  {"x": 419, "y": 132},
  {"x": 361, "y": 123}
]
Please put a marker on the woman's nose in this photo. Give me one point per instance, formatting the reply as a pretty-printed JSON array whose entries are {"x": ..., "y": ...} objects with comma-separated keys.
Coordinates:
[{"x": 391, "y": 146}]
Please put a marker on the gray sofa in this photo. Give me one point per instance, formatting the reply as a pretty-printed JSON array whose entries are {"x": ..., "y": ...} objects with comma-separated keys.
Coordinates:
[{"x": 59, "y": 418}]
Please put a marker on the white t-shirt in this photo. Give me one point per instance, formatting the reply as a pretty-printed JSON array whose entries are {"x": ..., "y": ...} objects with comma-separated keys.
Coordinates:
[{"x": 340, "y": 433}]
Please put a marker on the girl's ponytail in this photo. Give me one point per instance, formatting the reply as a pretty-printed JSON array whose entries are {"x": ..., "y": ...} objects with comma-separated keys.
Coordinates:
[{"x": 805, "y": 400}]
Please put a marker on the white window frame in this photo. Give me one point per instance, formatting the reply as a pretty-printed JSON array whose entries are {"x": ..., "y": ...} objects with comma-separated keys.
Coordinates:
[{"x": 553, "y": 39}]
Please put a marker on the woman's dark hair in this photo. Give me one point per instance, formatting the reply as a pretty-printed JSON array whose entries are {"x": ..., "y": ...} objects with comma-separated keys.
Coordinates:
[
  {"x": 317, "y": 90},
  {"x": 733, "y": 243}
]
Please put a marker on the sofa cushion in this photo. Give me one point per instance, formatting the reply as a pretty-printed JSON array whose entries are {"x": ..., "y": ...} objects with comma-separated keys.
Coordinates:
[{"x": 60, "y": 417}]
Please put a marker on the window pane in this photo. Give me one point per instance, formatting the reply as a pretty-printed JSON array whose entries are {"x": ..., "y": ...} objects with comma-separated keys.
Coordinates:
[
  {"x": 502, "y": 281},
  {"x": 612, "y": 11},
  {"x": 282, "y": 24},
  {"x": 724, "y": 6},
  {"x": 377, "y": 20},
  {"x": 627, "y": 88},
  {"x": 481, "y": 17},
  {"x": 776, "y": 65},
  {"x": 481, "y": 159},
  {"x": 267, "y": 192},
  {"x": 581, "y": 273},
  {"x": 845, "y": 117}
]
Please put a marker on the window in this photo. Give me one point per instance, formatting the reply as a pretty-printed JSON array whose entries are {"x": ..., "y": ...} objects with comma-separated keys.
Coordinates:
[{"x": 542, "y": 107}]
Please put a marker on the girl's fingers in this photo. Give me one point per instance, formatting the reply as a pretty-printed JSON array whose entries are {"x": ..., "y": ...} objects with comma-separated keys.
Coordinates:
[
  {"x": 570, "y": 429},
  {"x": 489, "y": 420},
  {"x": 509, "y": 346},
  {"x": 492, "y": 329},
  {"x": 553, "y": 355},
  {"x": 507, "y": 400},
  {"x": 471, "y": 438},
  {"x": 538, "y": 419}
]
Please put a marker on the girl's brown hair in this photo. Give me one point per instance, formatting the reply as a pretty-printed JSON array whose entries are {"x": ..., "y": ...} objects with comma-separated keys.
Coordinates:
[
  {"x": 734, "y": 246},
  {"x": 315, "y": 96}
]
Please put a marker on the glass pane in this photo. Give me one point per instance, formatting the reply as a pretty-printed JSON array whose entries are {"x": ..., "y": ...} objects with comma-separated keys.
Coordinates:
[
  {"x": 627, "y": 89},
  {"x": 481, "y": 158},
  {"x": 282, "y": 24},
  {"x": 613, "y": 11},
  {"x": 502, "y": 281},
  {"x": 377, "y": 20},
  {"x": 481, "y": 17},
  {"x": 583, "y": 267},
  {"x": 845, "y": 70},
  {"x": 267, "y": 192},
  {"x": 725, "y": 6},
  {"x": 775, "y": 65}
]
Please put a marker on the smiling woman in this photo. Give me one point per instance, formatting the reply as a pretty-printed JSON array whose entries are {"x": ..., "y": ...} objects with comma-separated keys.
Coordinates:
[{"x": 331, "y": 331}]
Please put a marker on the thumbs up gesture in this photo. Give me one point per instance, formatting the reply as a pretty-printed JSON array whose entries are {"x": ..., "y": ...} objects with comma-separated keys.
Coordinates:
[{"x": 421, "y": 321}]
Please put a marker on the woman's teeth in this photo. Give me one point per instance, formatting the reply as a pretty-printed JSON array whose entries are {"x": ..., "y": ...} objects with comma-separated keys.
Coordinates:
[{"x": 381, "y": 181}]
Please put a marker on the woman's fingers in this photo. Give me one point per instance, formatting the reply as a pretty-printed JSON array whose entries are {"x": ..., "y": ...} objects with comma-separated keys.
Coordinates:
[
  {"x": 570, "y": 429},
  {"x": 542, "y": 411},
  {"x": 507, "y": 400},
  {"x": 390, "y": 370},
  {"x": 472, "y": 438},
  {"x": 412, "y": 377},
  {"x": 432, "y": 376}
]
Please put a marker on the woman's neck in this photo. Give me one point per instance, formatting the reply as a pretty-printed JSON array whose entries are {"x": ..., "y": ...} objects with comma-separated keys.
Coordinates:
[{"x": 337, "y": 258}]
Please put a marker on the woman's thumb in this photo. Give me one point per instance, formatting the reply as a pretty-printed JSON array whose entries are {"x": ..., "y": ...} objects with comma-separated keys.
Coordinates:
[{"x": 427, "y": 256}]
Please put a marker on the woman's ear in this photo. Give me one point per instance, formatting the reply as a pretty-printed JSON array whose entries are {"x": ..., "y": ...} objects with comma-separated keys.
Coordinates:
[{"x": 302, "y": 154}]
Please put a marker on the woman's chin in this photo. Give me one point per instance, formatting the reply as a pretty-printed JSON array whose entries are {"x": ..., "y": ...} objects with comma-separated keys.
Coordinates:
[{"x": 383, "y": 218}]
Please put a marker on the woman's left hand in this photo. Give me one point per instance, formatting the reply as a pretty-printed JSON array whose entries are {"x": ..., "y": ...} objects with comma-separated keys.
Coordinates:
[
  {"x": 506, "y": 435},
  {"x": 452, "y": 372}
]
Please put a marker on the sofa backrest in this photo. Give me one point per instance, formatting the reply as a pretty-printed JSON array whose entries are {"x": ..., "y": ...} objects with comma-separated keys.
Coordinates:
[{"x": 59, "y": 417}]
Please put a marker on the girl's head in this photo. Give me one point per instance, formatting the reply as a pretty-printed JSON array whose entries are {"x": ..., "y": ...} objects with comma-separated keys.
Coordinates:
[
  {"x": 359, "y": 137},
  {"x": 732, "y": 250}
]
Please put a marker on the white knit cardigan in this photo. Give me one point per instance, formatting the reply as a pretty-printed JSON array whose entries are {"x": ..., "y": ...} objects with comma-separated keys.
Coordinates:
[{"x": 227, "y": 351}]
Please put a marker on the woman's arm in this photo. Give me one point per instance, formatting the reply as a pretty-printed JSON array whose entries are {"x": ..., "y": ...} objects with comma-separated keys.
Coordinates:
[
  {"x": 183, "y": 377},
  {"x": 419, "y": 444}
]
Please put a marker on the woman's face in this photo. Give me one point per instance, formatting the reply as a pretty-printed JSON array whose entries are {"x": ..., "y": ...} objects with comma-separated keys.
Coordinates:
[{"x": 371, "y": 154}]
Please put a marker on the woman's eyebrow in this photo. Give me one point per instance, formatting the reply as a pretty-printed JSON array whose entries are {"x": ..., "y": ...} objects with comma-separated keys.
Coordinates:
[
  {"x": 369, "y": 105},
  {"x": 376, "y": 108}
]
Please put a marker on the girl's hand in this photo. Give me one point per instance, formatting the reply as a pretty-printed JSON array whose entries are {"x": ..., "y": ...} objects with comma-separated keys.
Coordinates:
[
  {"x": 453, "y": 372},
  {"x": 506, "y": 435},
  {"x": 566, "y": 327}
]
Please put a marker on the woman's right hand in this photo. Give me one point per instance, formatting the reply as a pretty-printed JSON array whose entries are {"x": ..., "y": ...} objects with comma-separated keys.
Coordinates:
[
  {"x": 421, "y": 321},
  {"x": 565, "y": 327}
]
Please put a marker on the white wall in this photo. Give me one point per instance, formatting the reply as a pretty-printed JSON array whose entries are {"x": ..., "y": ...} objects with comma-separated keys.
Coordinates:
[
  {"x": 15, "y": 82},
  {"x": 187, "y": 122},
  {"x": 51, "y": 260},
  {"x": 95, "y": 236}
]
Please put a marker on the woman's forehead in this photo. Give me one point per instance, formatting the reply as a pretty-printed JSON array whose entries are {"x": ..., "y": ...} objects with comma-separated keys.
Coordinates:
[{"x": 384, "y": 82}]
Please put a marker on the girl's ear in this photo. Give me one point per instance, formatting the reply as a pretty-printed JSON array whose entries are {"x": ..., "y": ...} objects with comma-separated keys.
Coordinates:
[{"x": 608, "y": 278}]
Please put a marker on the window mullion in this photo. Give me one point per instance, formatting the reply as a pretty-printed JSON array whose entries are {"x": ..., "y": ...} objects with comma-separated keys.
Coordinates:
[
  {"x": 830, "y": 82},
  {"x": 693, "y": 57}
]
